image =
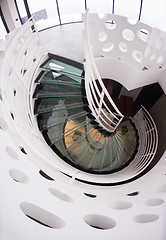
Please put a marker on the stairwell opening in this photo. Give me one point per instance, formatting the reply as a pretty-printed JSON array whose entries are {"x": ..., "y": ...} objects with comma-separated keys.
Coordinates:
[{"x": 69, "y": 127}]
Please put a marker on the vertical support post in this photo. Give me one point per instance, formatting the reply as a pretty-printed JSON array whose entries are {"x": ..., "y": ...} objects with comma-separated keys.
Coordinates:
[
  {"x": 57, "y": 5},
  {"x": 27, "y": 9},
  {"x": 139, "y": 18},
  {"x": 113, "y": 6}
]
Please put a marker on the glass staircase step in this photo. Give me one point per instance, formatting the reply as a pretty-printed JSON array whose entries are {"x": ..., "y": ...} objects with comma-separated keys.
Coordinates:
[
  {"x": 52, "y": 108},
  {"x": 60, "y": 82},
  {"x": 71, "y": 117},
  {"x": 70, "y": 128},
  {"x": 48, "y": 94}
]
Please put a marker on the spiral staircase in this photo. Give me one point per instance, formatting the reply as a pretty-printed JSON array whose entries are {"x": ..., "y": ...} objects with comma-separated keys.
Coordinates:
[{"x": 69, "y": 127}]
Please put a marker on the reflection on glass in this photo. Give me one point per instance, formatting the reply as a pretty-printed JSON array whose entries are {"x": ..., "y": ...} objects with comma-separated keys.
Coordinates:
[
  {"x": 71, "y": 11},
  {"x": 3, "y": 31},
  {"x": 44, "y": 13}
]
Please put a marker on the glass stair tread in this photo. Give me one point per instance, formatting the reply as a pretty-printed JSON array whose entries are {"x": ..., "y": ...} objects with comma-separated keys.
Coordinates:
[
  {"x": 69, "y": 127},
  {"x": 60, "y": 82},
  {"x": 62, "y": 67},
  {"x": 48, "y": 94},
  {"x": 51, "y": 108}
]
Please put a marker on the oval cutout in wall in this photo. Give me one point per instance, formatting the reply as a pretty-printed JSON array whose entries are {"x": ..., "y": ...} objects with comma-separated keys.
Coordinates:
[
  {"x": 146, "y": 218},
  {"x": 62, "y": 196},
  {"x": 3, "y": 125},
  {"x": 18, "y": 176},
  {"x": 128, "y": 34},
  {"x": 41, "y": 216},
  {"x": 99, "y": 221},
  {"x": 154, "y": 202},
  {"x": 43, "y": 174},
  {"x": 12, "y": 153},
  {"x": 121, "y": 205},
  {"x": 90, "y": 195},
  {"x": 102, "y": 36},
  {"x": 161, "y": 189},
  {"x": 109, "y": 46},
  {"x": 133, "y": 194},
  {"x": 110, "y": 24}
]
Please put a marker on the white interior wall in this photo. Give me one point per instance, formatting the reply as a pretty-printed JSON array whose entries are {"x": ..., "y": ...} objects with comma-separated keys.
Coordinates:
[
  {"x": 132, "y": 54},
  {"x": 10, "y": 14}
]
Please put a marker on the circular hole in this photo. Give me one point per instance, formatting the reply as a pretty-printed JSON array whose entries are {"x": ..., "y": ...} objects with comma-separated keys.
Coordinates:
[
  {"x": 152, "y": 57},
  {"x": 62, "y": 196},
  {"x": 154, "y": 202},
  {"x": 160, "y": 59},
  {"x": 12, "y": 153},
  {"x": 108, "y": 47},
  {"x": 41, "y": 216},
  {"x": 162, "y": 189},
  {"x": 128, "y": 35},
  {"x": 133, "y": 194},
  {"x": 121, "y": 205},
  {"x": 148, "y": 51},
  {"x": 143, "y": 34},
  {"x": 146, "y": 218},
  {"x": 99, "y": 221},
  {"x": 102, "y": 36},
  {"x": 123, "y": 47},
  {"x": 110, "y": 24},
  {"x": 159, "y": 43},
  {"x": 18, "y": 176},
  {"x": 3, "y": 124},
  {"x": 131, "y": 21},
  {"x": 137, "y": 55},
  {"x": 102, "y": 15}
]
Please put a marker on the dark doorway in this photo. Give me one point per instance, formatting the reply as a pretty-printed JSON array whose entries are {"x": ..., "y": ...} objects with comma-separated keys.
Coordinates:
[{"x": 149, "y": 95}]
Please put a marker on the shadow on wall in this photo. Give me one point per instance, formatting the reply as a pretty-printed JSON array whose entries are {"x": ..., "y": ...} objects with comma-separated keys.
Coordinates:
[{"x": 158, "y": 113}]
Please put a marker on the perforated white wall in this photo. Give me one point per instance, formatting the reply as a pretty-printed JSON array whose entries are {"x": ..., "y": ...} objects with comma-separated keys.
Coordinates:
[{"x": 130, "y": 52}]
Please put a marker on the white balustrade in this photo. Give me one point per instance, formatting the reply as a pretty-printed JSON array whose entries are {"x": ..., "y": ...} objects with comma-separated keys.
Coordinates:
[
  {"x": 148, "y": 140},
  {"x": 97, "y": 93}
]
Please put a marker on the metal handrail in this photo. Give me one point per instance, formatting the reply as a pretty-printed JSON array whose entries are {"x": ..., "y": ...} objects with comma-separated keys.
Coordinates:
[
  {"x": 148, "y": 140},
  {"x": 104, "y": 116}
]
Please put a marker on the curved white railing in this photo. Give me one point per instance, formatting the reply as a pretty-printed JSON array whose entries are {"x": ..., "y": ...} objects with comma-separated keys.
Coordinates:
[
  {"x": 148, "y": 142},
  {"x": 106, "y": 114}
]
